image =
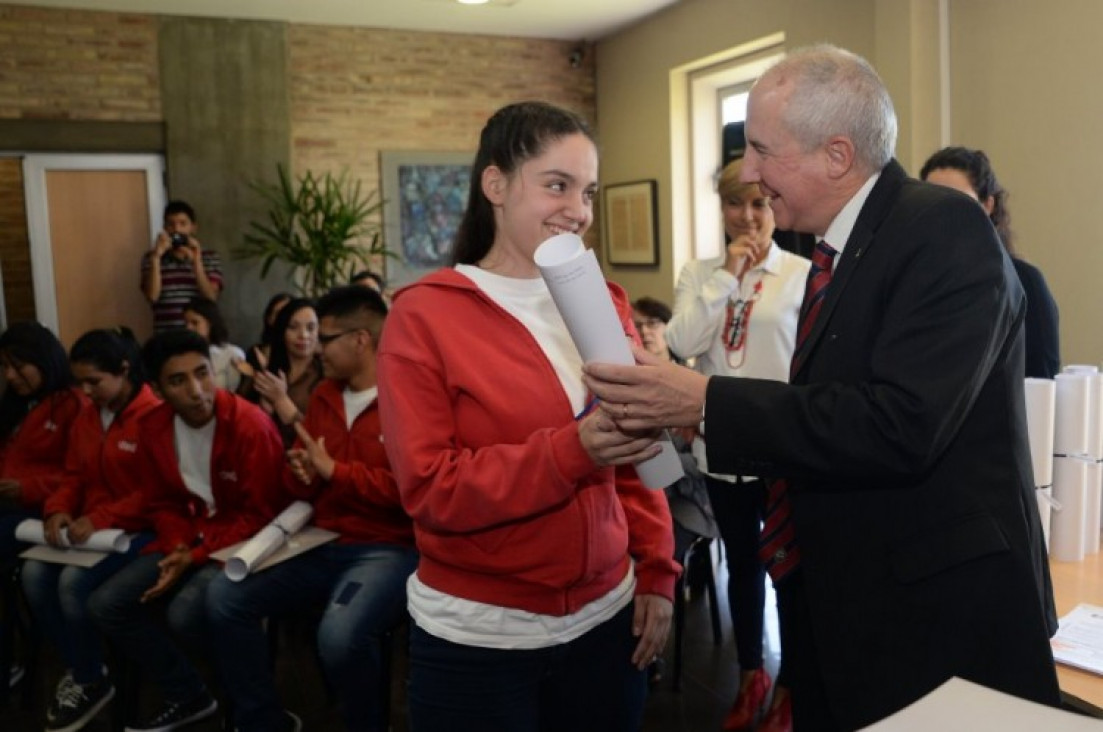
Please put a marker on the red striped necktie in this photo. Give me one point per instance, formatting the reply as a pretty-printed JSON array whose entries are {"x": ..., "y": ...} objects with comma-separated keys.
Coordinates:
[{"x": 777, "y": 545}]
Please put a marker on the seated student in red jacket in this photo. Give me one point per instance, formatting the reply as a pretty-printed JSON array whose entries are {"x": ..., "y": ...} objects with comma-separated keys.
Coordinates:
[
  {"x": 36, "y": 412},
  {"x": 98, "y": 491},
  {"x": 339, "y": 464},
  {"x": 210, "y": 469}
]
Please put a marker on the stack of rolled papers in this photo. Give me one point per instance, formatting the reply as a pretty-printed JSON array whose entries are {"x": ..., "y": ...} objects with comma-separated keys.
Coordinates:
[
  {"x": 33, "y": 531},
  {"x": 1041, "y": 395},
  {"x": 1078, "y": 470},
  {"x": 578, "y": 288},
  {"x": 268, "y": 540}
]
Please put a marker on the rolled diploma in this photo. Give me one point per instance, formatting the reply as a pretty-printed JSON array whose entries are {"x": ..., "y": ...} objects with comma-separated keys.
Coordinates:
[
  {"x": 33, "y": 531},
  {"x": 1072, "y": 414},
  {"x": 1066, "y": 538},
  {"x": 267, "y": 540},
  {"x": 1041, "y": 397},
  {"x": 578, "y": 288}
]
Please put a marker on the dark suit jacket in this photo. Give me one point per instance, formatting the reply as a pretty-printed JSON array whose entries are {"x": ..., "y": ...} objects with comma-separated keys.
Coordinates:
[{"x": 904, "y": 438}]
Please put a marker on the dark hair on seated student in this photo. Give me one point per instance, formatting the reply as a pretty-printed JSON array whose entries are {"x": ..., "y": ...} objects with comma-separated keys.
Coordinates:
[
  {"x": 33, "y": 343},
  {"x": 169, "y": 344},
  {"x": 270, "y": 327},
  {"x": 653, "y": 308},
  {"x": 178, "y": 207},
  {"x": 278, "y": 358},
  {"x": 208, "y": 310},
  {"x": 369, "y": 275},
  {"x": 111, "y": 350},
  {"x": 355, "y": 302}
]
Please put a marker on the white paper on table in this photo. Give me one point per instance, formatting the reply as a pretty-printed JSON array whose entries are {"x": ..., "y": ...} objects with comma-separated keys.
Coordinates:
[
  {"x": 1079, "y": 639},
  {"x": 76, "y": 557},
  {"x": 252, "y": 555},
  {"x": 1041, "y": 396},
  {"x": 962, "y": 706},
  {"x": 33, "y": 531},
  {"x": 578, "y": 288}
]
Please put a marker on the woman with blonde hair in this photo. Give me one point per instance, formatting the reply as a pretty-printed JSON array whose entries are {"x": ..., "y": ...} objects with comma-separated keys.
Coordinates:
[{"x": 736, "y": 315}]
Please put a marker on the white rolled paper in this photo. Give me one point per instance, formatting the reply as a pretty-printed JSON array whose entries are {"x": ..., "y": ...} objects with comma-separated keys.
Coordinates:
[
  {"x": 1074, "y": 392},
  {"x": 1070, "y": 483},
  {"x": 1041, "y": 396},
  {"x": 33, "y": 531},
  {"x": 1095, "y": 406},
  {"x": 1045, "y": 507},
  {"x": 268, "y": 540},
  {"x": 578, "y": 288},
  {"x": 1093, "y": 494}
]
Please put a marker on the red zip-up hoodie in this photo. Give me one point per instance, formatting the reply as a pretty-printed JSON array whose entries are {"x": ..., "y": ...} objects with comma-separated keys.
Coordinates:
[
  {"x": 508, "y": 507},
  {"x": 100, "y": 468},
  {"x": 360, "y": 501},
  {"x": 35, "y": 454},
  {"x": 246, "y": 471}
]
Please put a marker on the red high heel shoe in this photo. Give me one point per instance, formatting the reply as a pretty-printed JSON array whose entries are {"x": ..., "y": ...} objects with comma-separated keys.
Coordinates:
[
  {"x": 747, "y": 705},
  {"x": 778, "y": 719}
]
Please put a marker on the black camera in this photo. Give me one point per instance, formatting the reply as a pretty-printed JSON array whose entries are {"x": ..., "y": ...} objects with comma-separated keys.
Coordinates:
[{"x": 179, "y": 240}]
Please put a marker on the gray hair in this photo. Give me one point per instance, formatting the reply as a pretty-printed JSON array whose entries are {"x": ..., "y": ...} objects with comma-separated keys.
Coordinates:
[{"x": 836, "y": 92}]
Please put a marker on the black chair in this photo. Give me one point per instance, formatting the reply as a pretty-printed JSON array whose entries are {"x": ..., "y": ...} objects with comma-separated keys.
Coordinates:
[{"x": 700, "y": 544}]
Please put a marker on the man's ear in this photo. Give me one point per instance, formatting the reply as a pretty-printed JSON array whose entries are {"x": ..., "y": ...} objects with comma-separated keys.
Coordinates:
[
  {"x": 494, "y": 183},
  {"x": 840, "y": 156}
]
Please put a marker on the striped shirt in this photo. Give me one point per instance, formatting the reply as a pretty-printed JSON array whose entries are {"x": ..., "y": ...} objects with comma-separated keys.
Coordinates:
[{"x": 178, "y": 286}]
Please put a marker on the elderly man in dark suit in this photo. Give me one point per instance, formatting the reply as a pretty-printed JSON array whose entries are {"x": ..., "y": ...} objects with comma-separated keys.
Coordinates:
[{"x": 902, "y": 531}]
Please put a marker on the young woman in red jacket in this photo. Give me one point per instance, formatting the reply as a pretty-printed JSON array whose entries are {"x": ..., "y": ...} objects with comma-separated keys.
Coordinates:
[
  {"x": 37, "y": 410},
  {"x": 98, "y": 491},
  {"x": 545, "y": 579}
]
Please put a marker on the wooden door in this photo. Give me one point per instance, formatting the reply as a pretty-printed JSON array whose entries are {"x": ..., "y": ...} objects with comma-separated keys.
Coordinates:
[{"x": 91, "y": 218}]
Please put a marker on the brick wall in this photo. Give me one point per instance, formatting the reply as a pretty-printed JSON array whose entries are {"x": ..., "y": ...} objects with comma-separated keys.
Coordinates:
[
  {"x": 79, "y": 65},
  {"x": 15, "y": 253}
]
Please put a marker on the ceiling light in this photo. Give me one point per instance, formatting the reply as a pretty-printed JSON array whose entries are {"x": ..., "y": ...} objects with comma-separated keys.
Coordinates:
[{"x": 472, "y": 2}]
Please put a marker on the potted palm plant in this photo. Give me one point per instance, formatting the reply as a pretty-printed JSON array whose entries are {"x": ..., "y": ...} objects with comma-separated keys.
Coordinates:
[{"x": 324, "y": 227}]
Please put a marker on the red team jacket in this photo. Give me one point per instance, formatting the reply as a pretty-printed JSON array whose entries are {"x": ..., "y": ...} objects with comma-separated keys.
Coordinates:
[
  {"x": 100, "y": 468},
  {"x": 35, "y": 454},
  {"x": 361, "y": 500}
]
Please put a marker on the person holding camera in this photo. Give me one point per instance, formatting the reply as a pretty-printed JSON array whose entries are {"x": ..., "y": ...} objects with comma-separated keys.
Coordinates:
[{"x": 178, "y": 269}]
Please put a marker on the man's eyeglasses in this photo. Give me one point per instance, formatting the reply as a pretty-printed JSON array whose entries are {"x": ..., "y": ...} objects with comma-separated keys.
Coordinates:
[
  {"x": 651, "y": 323},
  {"x": 324, "y": 339}
]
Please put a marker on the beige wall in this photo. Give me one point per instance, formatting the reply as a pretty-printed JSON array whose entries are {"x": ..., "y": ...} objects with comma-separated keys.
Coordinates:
[
  {"x": 633, "y": 88},
  {"x": 1025, "y": 87},
  {"x": 1022, "y": 79}
]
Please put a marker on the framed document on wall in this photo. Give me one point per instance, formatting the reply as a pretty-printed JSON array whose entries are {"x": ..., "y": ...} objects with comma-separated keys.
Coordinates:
[{"x": 630, "y": 214}]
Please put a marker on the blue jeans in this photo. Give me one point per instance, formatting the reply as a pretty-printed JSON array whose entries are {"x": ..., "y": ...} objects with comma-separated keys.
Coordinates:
[
  {"x": 10, "y": 517},
  {"x": 58, "y": 596},
  {"x": 587, "y": 685},
  {"x": 117, "y": 609},
  {"x": 363, "y": 588}
]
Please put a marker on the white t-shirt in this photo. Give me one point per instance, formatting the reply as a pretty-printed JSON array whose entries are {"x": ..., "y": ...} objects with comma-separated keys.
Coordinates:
[
  {"x": 193, "y": 457},
  {"x": 480, "y": 624},
  {"x": 356, "y": 402}
]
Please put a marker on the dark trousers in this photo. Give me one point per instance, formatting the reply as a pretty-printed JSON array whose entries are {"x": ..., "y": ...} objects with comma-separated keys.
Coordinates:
[
  {"x": 738, "y": 509},
  {"x": 811, "y": 711},
  {"x": 586, "y": 685}
]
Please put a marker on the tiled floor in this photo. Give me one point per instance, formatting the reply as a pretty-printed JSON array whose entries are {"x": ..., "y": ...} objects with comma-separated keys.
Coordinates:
[{"x": 708, "y": 682}]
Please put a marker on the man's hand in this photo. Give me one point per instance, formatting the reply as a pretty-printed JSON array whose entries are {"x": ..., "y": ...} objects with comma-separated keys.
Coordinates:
[
  {"x": 172, "y": 568},
  {"x": 607, "y": 445},
  {"x": 651, "y": 624},
  {"x": 54, "y": 526},
  {"x": 649, "y": 396},
  {"x": 80, "y": 530},
  {"x": 162, "y": 244},
  {"x": 193, "y": 252},
  {"x": 314, "y": 457}
]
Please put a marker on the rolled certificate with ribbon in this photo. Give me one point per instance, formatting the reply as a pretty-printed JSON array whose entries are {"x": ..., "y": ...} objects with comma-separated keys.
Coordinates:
[
  {"x": 578, "y": 288},
  {"x": 33, "y": 531},
  {"x": 268, "y": 540}
]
